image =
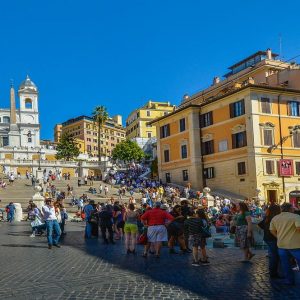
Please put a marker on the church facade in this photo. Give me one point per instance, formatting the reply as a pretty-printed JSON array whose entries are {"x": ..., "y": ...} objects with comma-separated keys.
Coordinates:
[{"x": 20, "y": 128}]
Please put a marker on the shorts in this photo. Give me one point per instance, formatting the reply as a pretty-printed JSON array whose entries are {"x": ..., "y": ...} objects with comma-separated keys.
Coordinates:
[
  {"x": 157, "y": 233},
  {"x": 130, "y": 228},
  {"x": 198, "y": 241}
]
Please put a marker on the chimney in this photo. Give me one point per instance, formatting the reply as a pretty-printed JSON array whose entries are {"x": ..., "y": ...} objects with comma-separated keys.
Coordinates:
[
  {"x": 216, "y": 80},
  {"x": 269, "y": 53}
]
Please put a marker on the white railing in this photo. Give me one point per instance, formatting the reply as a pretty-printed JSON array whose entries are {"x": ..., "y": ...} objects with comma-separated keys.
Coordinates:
[{"x": 29, "y": 162}]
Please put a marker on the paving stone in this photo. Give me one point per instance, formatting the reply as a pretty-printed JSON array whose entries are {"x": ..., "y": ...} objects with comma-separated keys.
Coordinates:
[{"x": 90, "y": 270}]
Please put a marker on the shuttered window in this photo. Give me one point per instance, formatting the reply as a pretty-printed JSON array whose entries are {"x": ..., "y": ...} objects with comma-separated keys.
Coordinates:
[
  {"x": 167, "y": 155},
  {"x": 268, "y": 137},
  {"x": 239, "y": 140},
  {"x": 270, "y": 167},
  {"x": 184, "y": 151},
  {"x": 241, "y": 168},
  {"x": 297, "y": 165},
  {"x": 237, "y": 109},
  {"x": 168, "y": 178},
  {"x": 265, "y": 105},
  {"x": 206, "y": 119},
  {"x": 209, "y": 173},
  {"x": 182, "y": 125},
  {"x": 208, "y": 147},
  {"x": 293, "y": 108},
  {"x": 185, "y": 175},
  {"x": 164, "y": 131},
  {"x": 296, "y": 139}
]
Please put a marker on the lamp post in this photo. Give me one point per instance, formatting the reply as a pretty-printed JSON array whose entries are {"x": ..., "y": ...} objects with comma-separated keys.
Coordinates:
[{"x": 39, "y": 152}]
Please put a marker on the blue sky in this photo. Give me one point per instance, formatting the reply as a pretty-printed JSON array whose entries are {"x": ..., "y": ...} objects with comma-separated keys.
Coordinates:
[{"x": 122, "y": 53}]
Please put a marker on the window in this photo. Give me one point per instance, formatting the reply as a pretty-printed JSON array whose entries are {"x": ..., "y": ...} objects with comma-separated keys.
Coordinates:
[
  {"x": 223, "y": 146},
  {"x": 241, "y": 168},
  {"x": 206, "y": 119},
  {"x": 167, "y": 155},
  {"x": 5, "y": 141},
  {"x": 296, "y": 139},
  {"x": 28, "y": 103},
  {"x": 265, "y": 105},
  {"x": 95, "y": 148},
  {"x": 148, "y": 125},
  {"x": 182, "y": 125},
  {"x": 88, "y": 139},
  {"x": 149, "y": 134},
  {"x": 239, "y": 140},
  {"x": 209, "y": 173},
  {"x": 88, "y": 132},
  {"x": 293, "y": 109},
  {"x": 270, "y": 167},
  {"x": 297, "y": 167},
  {"x": 185, "y": 175},
  {"x": 29, "y": 137},
  {"x": 148, "y": 113},
  {"x": 237, "y": 109},
  {"x": 6, "y": 120},
  {"x": 268, "y": 137},
  {"x": 184, "y": 151},
  {"x": 95, "y": 140},
  {"x": 208, "y": 147},
  {"x": 165, "y": 131},
  {"x": 168, "y": 178},
  {"x": 89, "y": 148}
]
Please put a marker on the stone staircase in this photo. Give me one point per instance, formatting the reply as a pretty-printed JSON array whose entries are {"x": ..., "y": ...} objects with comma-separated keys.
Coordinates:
[{"x": 22, "y": 191}]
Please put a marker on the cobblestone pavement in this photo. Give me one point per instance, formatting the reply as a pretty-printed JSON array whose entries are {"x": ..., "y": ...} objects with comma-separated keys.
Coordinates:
[{"x": 91, "y": 270}]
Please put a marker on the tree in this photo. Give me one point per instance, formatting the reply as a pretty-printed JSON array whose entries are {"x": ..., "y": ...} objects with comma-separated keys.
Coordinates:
[
  {"x": 100, "y": 116},
  {"x": 67, "y": 147},
  {"x": 128, "y": 151}
]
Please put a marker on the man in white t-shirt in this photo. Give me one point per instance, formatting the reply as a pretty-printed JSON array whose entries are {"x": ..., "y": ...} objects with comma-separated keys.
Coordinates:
[{"x": 49, "y": 216}]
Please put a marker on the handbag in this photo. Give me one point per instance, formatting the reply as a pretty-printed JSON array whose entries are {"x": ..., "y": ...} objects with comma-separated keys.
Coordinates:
[
  {"x": 37, "y": 222},
  {"x": 205, "y": 232},
  {"x": 143, "y": 239}
]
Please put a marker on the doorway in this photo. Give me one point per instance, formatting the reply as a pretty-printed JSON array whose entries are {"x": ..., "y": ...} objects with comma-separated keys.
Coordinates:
[{"x": 272, "y": 196}]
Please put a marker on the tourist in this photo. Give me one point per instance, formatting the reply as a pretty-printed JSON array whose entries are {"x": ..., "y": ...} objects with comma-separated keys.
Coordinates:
[
  {"x": 10, "y": 210},
  {"x": 244, "y": 232},
  {"x": 118, "y": 220},
  {"x": 286, "y": 227},
  {"x": 221, "y": 225},
  {"x": 105, "y": 190},
  {"x": 37, "y": 225},
  {"x": 52, "y": 226},
  {"x": 100, "y": 189},
  {"x": 271, "y": 240},
  {"x": 193, "y": 228},
  {"x": 175, "y": 231},
  {"x": 85, "y": 180},
  {"x": 87, "y": 212},
  {"x": 106, "y": 223},
  {"x": 130, "y": 228},
  {"x": 157, "y": 233}
]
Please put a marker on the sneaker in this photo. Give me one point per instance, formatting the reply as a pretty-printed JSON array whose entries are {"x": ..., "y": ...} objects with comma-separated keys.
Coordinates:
[
  {"x": 32, "y": 235},
  {"x": 49, "y": 246},
  {"x": 205, "y": 262},
  {"x": 296, "y": 268},
  {"x": 56, "y": 245},
  {"x": 195, "y": 263}
]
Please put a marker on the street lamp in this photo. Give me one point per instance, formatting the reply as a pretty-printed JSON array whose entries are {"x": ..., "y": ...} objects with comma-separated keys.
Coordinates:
[{"x": 39, "y": 152}]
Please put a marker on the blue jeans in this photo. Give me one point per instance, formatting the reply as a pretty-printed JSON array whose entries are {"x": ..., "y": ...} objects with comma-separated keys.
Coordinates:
[
  {"x": 10, "y": 217},
  {"x": 285, "y": 256},
  {"x": 53, "y": 232},
  {"x": 88, "y": 230},
  {"x": 273, "y": 257}
]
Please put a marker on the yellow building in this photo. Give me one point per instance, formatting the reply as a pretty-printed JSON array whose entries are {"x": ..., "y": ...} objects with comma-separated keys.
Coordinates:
[
  {"x": 57, "y": 132},
  {"x": 137, "y": 127},
  {"x": 85, "y": 131},
  {"x": 240, "y": 136}
]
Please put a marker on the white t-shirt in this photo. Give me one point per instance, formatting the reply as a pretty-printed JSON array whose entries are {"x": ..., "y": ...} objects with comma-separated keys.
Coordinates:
[{"x": 48, "y": 213}]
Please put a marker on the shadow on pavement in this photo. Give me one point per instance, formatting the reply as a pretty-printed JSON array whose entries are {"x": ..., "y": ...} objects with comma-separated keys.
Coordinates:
[
  {"x": 23, "y": 246},
  {"x": 224, "y": 276}
]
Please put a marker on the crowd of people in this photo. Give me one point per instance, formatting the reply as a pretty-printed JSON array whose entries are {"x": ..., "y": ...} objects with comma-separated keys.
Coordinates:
[{"x": 160, "y": 217}]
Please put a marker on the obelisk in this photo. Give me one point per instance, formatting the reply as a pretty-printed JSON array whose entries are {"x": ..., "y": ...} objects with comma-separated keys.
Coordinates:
[{"x": 14, "y": 138}]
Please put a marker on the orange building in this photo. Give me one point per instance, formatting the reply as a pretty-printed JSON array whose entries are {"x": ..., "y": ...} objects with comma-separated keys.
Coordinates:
[{"x": 240, "y": 136}]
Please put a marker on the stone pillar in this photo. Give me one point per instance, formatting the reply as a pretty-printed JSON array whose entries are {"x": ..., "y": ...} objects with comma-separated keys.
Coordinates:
[
  {"x": 18, "y": 213},
  {"x": 37, "y": 198}
]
